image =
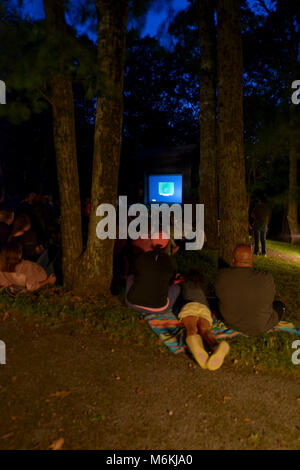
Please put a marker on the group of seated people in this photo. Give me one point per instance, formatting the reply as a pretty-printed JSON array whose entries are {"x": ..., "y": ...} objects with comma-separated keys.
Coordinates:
[
  {"x": 245, "y": 298},
  {"x": 24, "y": 254}
]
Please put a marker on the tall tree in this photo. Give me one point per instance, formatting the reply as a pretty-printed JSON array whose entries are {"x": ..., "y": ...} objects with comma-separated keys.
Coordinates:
[
  {"x": 64, "y": 141},
  {"x": 96, "y": 264},
  {"x": 232, "y": 188},
  {"x": 208, "y": 188},
  {"x": 292, "y": 214}
]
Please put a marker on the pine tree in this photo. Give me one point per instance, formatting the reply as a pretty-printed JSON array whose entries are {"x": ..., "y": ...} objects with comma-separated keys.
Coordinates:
[
  {"x": 208, "y": 191},
  {"x": 232, "y": 188}
]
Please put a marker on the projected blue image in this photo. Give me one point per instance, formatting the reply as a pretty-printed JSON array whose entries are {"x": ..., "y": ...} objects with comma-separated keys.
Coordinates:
[{"x": 165, "y": 188}]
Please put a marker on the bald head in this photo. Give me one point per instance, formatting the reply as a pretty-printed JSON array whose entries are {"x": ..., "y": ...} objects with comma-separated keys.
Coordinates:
[{"x": 242, "y": 256}]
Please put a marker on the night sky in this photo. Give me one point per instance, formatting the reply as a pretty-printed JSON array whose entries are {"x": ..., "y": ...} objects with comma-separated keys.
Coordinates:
[{"x": 156, "y": 17}]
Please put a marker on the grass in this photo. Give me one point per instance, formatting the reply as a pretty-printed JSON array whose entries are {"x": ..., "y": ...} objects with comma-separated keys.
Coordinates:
[
  {"x": 269, "y": 352},
  {"x": 55, "y": 308},
  {"x": 284, "y": 247}
]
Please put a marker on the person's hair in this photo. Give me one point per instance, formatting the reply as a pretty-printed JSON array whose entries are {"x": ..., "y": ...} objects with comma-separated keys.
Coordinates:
[
  {"x": 159, "y": 249},
  {"x": 195, "y": 276},
  {"x": 260, "y": 197},
  {"x": 10, "y": 256},
  {"x": 5, "y": 214},
  {"x": 20, "y": 223}
]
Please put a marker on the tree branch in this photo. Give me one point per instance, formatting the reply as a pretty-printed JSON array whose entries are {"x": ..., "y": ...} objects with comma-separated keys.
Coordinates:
[
  {"x": 44, "y": 96},
  {"x": 263, "y": 4}
]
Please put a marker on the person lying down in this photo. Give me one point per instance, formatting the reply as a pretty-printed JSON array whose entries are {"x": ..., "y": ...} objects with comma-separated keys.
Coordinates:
[
  {"x": 16, "y": 272},
  {"x": 197, "y": 320}
]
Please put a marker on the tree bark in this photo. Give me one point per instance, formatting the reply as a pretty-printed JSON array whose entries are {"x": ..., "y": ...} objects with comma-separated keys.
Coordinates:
[
  {"x": 97, "y": 262},
  {"x": 232, "y": 187},
  {"x": 65, "y": 147},
  {"x": 208, "y": 187},
  {"x": 292, "y": 215}
]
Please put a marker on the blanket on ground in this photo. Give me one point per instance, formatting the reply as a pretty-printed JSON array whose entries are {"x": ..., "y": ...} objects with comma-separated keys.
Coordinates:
[{"x": 171, "y": 331}]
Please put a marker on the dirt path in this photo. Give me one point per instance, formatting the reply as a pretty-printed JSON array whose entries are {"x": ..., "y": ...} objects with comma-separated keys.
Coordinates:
[
  {"x": 283, "y": 256},
  {"x": 98, "y": 395}
]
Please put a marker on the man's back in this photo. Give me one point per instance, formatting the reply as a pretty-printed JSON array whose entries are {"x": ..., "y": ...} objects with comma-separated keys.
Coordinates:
[
  {"x": 261, "y": 215},
  {"x": 152, "y": 276},
  {"x": 245, "y": 299}
]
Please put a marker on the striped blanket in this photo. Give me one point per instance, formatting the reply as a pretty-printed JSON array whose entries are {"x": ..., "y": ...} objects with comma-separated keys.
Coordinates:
[{"x": 171, "y": 331}]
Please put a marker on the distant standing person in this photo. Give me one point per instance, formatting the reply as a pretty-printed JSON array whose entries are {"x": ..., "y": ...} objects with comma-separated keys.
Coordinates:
[{"x": 261, "y": 216}]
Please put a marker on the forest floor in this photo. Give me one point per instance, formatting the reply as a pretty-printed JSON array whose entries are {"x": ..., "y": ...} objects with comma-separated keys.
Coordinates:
[
  {"x": 71, "y": 382},
  {"x": 283, "y": 251}
]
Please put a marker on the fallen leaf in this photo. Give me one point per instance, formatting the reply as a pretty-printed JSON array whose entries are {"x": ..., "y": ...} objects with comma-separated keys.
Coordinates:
[
  {"x": 227, "y": 398},
  {"x": 6, "y": 436},
  {"x": 96, "y": 419},
  {"x": 57, "y": 445},
  {"x": 6, "y": 315},
  {"x": 254, "y": 438},
  {"x": 140, "y": 391},
  {"x": 61, "y": 394}
]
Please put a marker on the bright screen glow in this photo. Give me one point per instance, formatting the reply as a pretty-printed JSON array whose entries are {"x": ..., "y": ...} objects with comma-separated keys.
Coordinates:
[{"x": 165, "y": 188}]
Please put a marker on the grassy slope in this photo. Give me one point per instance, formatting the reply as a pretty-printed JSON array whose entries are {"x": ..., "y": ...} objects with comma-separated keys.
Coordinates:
[
  {"x": 110, "y": 316},
  {"x": 269, "y": 351},
  {"x": 284, "y": 247}
]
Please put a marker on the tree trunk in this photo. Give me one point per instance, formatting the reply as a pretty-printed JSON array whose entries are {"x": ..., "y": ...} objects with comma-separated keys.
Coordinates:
[
  {"x": 232, "y": 187},
  {"x": 292, "y": 215},
  {"x": 65, "y": 147},
  {"x": 97, "y": 263},
  {"x": 208, "y": 188}
]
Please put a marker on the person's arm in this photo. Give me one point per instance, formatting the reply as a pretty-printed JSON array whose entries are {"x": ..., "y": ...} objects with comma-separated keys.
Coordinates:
[
  {"x": 37, "y": 285},
  {"x": 12, "y": 279}
]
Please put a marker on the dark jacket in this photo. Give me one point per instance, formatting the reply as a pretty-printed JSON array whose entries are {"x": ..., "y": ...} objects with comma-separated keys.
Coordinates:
[
  {"x": 246, "y": 299},
  {"x": 4, "y": 233},
  {"x": 152, "y": 279}
]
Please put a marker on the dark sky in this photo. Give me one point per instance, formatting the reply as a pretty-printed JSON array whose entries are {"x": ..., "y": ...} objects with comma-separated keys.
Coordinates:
[
  {"x": 156, "y": 15},
  {"x": 155, "y": 18}
]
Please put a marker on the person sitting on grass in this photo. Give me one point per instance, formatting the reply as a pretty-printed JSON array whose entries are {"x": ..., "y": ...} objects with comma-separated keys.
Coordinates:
[
  {"x": 21, "y": 224},
  {"x": 6, "y": 219},
  {"x": 197, "y": 320},
  {"x": 150, "y": 288},
  {"x": 14, "y": 271},
  {"x": 27, "y": 236},
  {"x": 246, "y": 296}
]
